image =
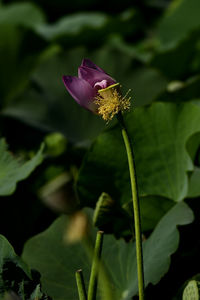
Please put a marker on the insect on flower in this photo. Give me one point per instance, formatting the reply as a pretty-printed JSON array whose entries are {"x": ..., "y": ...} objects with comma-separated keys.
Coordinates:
[{"x": 96, "y": 91}]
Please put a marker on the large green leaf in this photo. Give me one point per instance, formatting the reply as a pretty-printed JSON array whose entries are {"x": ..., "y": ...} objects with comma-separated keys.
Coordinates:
[
  {"x": 120, "y": 257},
  {"x": 57, "y": 261},
  {"x": 159, "y": 134},
  {"x": 13, "y": 170},
  {"x": 180, "y": 19}
]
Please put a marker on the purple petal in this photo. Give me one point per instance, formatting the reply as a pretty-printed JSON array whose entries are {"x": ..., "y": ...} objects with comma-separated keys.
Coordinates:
[
  {"x": 80, "y": 90},
  {"x": 88, "y": 63},
  {"x": 93, "y": 76}
]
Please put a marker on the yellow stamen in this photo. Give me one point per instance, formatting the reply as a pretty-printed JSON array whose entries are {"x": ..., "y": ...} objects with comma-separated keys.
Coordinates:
[{"x": 110, "y": 102}]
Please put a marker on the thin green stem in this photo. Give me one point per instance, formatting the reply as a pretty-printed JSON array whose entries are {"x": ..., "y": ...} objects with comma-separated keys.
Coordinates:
[
  {"x": 92, "y": 290},
  {"x": 104, "y": 280},
  {"x": 81, "y": 285},
  {"x": 136, "y": 207}
]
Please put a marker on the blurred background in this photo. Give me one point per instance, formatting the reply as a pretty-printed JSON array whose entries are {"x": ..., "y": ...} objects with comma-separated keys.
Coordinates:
[{"x": 151, "y": 47}]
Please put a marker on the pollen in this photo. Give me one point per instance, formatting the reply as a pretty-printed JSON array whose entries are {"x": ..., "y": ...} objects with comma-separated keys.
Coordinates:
[{"x": 110, "y": 102}]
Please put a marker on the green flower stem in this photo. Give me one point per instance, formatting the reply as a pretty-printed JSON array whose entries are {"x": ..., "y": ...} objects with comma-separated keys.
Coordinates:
[
  {"x": 92, "y": 290},
  {"x": 104, "y": 280},
  {"x": 81, "y": 285},
  {"x": 136, "y": 207}
]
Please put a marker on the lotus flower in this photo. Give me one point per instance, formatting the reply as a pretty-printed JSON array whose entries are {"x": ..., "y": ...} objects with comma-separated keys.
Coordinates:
[
  {"x": 95, "y": 90},
  {"x": 84, "y": 88}
]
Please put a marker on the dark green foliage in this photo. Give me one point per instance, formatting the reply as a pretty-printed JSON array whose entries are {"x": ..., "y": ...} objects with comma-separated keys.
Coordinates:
[
  {"x": 119, "y": 256},
  {"x": 15, "y": 276},
  {"x": 151, "y": 47}
]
